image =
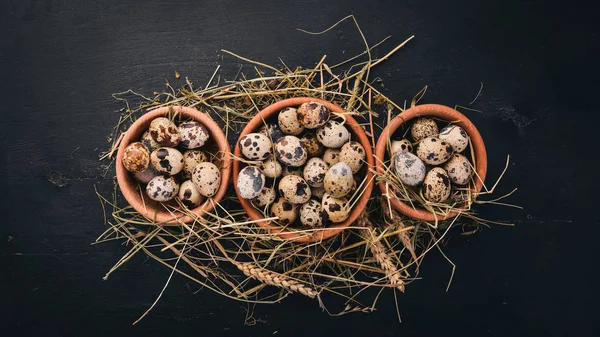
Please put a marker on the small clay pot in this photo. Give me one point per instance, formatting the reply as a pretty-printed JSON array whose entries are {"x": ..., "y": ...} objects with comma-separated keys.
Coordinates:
[
  {"x": 156, "y": 211},
  {"x": 318, "y": 234},
  {"x": 440, "y": 112}
]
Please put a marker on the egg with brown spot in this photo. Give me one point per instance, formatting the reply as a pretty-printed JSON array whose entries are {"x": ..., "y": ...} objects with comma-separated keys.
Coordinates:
[
  {"x": 191, "y": 158},
  {"x": 250, "y": 181},
  {"x": 313, "y": 147},
  {"x": 314, "y": 172},
  {"x": 136, "y": 157},
  {"x": 255, "y": 146},
  {"x": 333, "y": 134},
  {"x": 192, "y": 135},
  {"x": 312, "y": 214},
  {"x": 455, "y": 136},
  {"x": 162, "y": 188},
  {"x": 150, "y": 143},
  {"x": 423, "y": 127},
  {"x": 145, "y": 176},
  {"x": 167, "y": 160},
  {"x": 271, "y": 168},
  {"x": 409, "y": 168},
  {"x": 436, "y": 186},
  {"x": 264, "y": 198},
  {"x": 288, "y": 121},
  {"x": 207, "y": 178},
  {"x": 434, "y": 151},
  {"x": 335, "y": 208},
  {"x": 311, "y": 115},
  {"x": 290, "y": 151},
  {"x": 285, "y": 210},
  {"x": 338, "y": 180},
  {"x": 164, "y": 132},
  {"x": 294, "y": 189},
  {"x": 332, "y": 156},
  {"x": 189, "y": 195},
  {"x": 459, "y": 169},
  {"x": 401, "y": 145},
  {"x": 353, "y": 154}
]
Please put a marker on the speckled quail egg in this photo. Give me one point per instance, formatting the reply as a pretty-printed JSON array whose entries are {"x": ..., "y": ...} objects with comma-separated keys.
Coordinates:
[
  {"x": 136, "y": 157},
  {"x": 409, "y": 168},
  {"x": 312, "y": 214},
  {"x": 311, "y": 115},
  {"x": 250, "y": 181},
  {"x": 459, "y": 169},
  {"x": 434, "y": 151},
  {"x": 145, "y": 176},
  {"x": 317, "y": 192},
  {"x": 338, "y": 180},
  {"x": 288, "y": 121},
  {"x": 272, "y": 131},
  {"x": 401, "y": 145},
  {"x": 314, "y": 172},
  {"x": 423, "y": 127},
  {"x": 333, "y": 134},
  {"x": 286, "y": 211},
  {"x": 150, "y": 143},
  {"x": 294, "y": 189},
  {"x": 162, "y": 188},
  {"x": 256, "y": 146},
  {"x": 313, "y": 147},
  {"x": 164, "y": 132},
  {"x": 264, "y": 198},
  {"x": 436, "y": 187},
  {"x": 294, "y": 171},
  {"x": 455, "y": 136},
  {"x": 207, "y": 178},
  {"x": 332, "y": 156},
  {"x": 189, "y": 195},
  {"x": 335, "y": 208},
  {"x": 271, "y": 168},
  {"x": 353, "y": 154},
  {"x": 290, "y": 151},
  {"x": 191, "y": 158},
  {"x": 192, "y": 135},
  {"x": 167, "y": 160}
]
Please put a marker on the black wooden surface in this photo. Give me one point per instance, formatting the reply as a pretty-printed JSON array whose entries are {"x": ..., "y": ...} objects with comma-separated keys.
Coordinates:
[{"x": 60, "y": 61}]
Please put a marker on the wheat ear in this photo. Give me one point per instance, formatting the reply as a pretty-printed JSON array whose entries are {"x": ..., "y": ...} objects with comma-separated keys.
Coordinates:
[
  {"x": 275, "y": 279},
  {"x": 392, "y": 215}
]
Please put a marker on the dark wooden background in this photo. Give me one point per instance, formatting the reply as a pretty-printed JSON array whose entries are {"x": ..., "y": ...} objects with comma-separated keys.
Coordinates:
[{"x": 60, "y": 61}]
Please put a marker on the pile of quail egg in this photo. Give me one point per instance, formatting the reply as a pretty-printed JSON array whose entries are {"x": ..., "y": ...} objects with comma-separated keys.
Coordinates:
[
  {"x": 303, "y": 169},
  {"x": 168, "y": 154},
  {"x": 437, "y": 164}
]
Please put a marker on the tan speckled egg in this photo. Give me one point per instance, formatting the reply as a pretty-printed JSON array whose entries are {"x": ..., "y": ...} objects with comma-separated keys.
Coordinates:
[
  {"x": 150, "y": 143},
  {"x": 333, "y": 134},
  {"x": 288, "y": 122},
  {"x": 434, "y": 151},
  {"x": 192, "y": 135},
  {"x": 295, "y": 171},
  {"x": 401, "y": 145},
  {"x": 423, "y": 127},
  {"x": 136, "y": 157},
  {"x": 455, "y": 136},
  {"x": 317, "y": 192},
  {"x": 353, "y": 154},
  {"x": 256, "y": 146},
  {"x": 314, "y": 172},
  {"x": 436, "y": 187},
  {"x": 313, "y": 147},
  {"x": 339, "y": 180},
  {"x": 162, "y": 188},
  {"x": 332, "y": 156},
  {"x": 145, "y": 176},
  {"x": 271, "y": 168},
  {"x": 294, "y": 189},
  {"x": 207, "y": 178},
  {"x": 459, "y": 169},
  {"x": 189, "y": 195},
  {"x": 409, "y": 168},
  {"x": 335, "y": 208},
  {"x": 272, "y": 131},
  {"x": 164, "y": 132},
  {"x": 311, "y": 115},
  {"x": 191, "y": 158},
  {"x": 290, "y": 151},
  {"x": 250, "y": 181},
  {"x": 312, "y": 214},
  {"x": 167, "y": 160},
  {"x": 264, "y": 198},
  {"x": 286, "y": 211}
]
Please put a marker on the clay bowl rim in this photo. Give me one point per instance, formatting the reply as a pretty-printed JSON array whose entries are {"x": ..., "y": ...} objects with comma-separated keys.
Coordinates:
[
  {"x": 323, "y": 233},
  {"x": 128, "y": 184},
  {"x": 445, "y": 113}
]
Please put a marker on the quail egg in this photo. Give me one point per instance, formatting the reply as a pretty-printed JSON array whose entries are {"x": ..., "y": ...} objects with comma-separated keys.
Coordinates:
[
  {"x": 313, "y": 147},
  {"x": 423, "y": 127},
  {"x": 255, "y": 146},
  {"x": 353, "y": 154},
  {"x": 207, "y": 178},
  {"x": 136, "y": 157},
  {"x": 314, "y": 172},
  {"x": 338, "y": 180},
  {"x": 162, "y": 188},
  {"x": 436, "y": 187},
  {"x": 335, "y": 208},
  {"x": 401, "y": 145},
  {"x": 290, "y": 151},
  {"x": 455, "y": 136},
  {"x": 189, "y": 195},
  {"x": 250, "y": 182},
  {"x": 332, "y": 156},
  {"x": 164, "y": 132},
  {"x": 434, "y": 151},
  {"x": 192, "y": 135},
  {"x": 294, "y": 171},
  {"x": 333, "y": 134},
  {"x": 167, "y": 160},
  {"x": 311, "y": 115},
  {"x": 271, "y": 168},
  {"x": 317, "y": 192},
  {"x": 272, "y": 131},
  {"x": 288, "y": 122},
  {"x": 286, "y": 211},
  {"x": 409, "y": 168},
  {"x": 150, "y": 143},
  {"x": 145, "y": 176},
  {"x": 191, "y": 158},
  {"x": 264, "y": 198},
  {"x": 459, "y": 169},
  {"x": 294, "y": 189},
  {"x": 312, "y": 214}
]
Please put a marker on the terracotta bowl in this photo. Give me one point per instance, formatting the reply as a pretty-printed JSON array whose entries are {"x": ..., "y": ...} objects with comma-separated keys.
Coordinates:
[
  {"x": 320, "y": 234},
  {"x": 440, "y": 112},
  {"x": 217, "y": 145}
]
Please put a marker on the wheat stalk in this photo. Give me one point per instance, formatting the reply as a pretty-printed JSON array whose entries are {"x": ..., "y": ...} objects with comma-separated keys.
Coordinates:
[
  {"x": 395, "y": 218},
  {"x": 274, "y": 279}
]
